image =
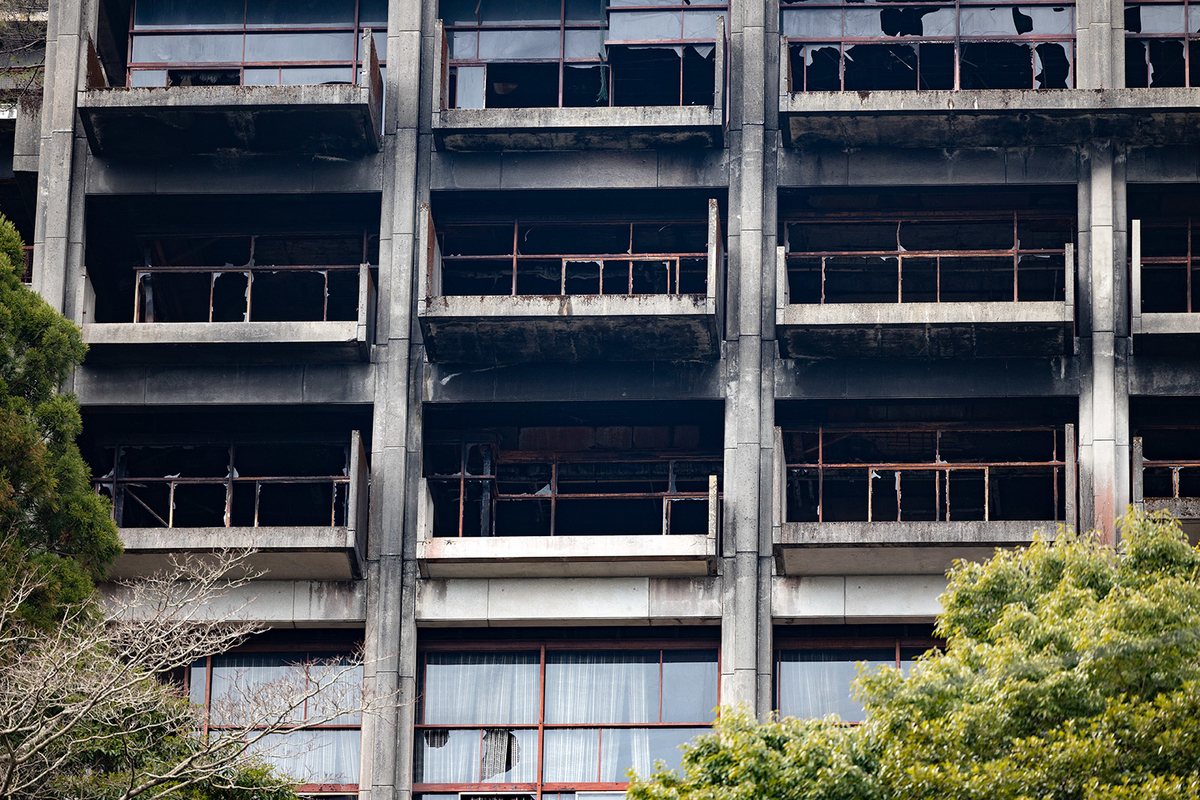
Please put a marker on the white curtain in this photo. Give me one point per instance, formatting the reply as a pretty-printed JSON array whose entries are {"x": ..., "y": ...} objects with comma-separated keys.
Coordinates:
[
  {"x": 448, "y": 756},
  {"x": 820, "y": 684},
  {"x": 481, "y": 689},
  {"x": 317, "y": 756}
]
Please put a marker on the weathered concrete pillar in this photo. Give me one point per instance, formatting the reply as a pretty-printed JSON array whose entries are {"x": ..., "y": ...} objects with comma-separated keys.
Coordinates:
[
  {"x": 749, "y": 404},
  {"x": 1104, "y": 399},
  {"x": 390, "y": 627},
  {"x": 1100, "y": 44},
  {"x": 63, "y": 154}
]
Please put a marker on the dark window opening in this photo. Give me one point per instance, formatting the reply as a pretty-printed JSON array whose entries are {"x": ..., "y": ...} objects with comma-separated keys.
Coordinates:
[
  {"x": 840, "y": 45},
  {"x": 930, "y": 473},
  {"x": 245, "y": 484},
  {"x": 927, "y": 258},
  {"x": 1170, "y": 265},
  {"x": 581, "y": 54}
]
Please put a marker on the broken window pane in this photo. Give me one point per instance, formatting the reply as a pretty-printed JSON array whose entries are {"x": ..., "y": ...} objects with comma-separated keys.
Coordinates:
[
  {"x": 1159, "y": 19},
  {"x": 644, "y": 25},
  {"x": 996, "y": 65},
  {"x": 584, "y": 44},
  {"x": 814, "y": 23},
  {"x": 702, "y": 24},
  {"x": 587, "y": 11},
  {"x": 1166, "y": 62},
  {"x": 1052, "y": 66},
  {"x": 522, "y": 86},
  {"x": 881, "y": 66},
  {"x": 469, "y": 87}
]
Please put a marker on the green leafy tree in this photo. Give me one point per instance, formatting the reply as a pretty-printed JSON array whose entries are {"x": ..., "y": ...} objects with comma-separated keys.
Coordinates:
[
  {"x": 1071, "y": 671},
  {"x": 48, "y": 509}
]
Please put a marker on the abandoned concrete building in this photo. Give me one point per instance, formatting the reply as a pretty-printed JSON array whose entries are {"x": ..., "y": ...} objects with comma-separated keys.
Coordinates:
[{"x": 597, "y": 362}]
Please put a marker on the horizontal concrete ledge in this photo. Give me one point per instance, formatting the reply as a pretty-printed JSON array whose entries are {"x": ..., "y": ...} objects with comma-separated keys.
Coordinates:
[
  {"x": 856, "y": 599},
  {"x": 286, "y": 603},
  {"x": 102, "y": 334},
  {"x": 991, "y": 117},
  {"x": 1052, "y": 312},
  {"x": 532, "y": 306},
  {"x": 577, "y": 128},
  {"x": 568, "y": 601},
  {"x": 1166, "y": 324},
  {"x": 335, "y": 120},
  {"x": 283, "y": 553},
  {"x": 567, "y": 556},
  {"x": 894, "y": 548},
  {"x": 1179, "y": 507},
  {"x": 987, "y": 101}
]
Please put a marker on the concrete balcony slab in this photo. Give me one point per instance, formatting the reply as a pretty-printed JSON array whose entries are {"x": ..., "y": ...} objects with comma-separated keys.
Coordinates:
[
  {"x": 925, "y": 330},
  {"x": 285, "y": 553},
  {"x": 894, "y": 548}
]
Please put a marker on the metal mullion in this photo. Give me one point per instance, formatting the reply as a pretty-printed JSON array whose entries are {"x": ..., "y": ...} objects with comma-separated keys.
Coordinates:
[
  {"x": 957, "y": 71},
  {"x": 1188, "y": 268},
  {"x": 257, "y": 498},
  {"x": 1016, "y": 256},
  {"x": 207, "y": 694},
  {"x": 171, "y": 507},
  {"x": 462, "y": 487},
  {"x": 516, "y": 223},
  {"x": 541, "y": 728},
  {"x": 229, "y": 486},
  {"x": 553, "y": 495}
]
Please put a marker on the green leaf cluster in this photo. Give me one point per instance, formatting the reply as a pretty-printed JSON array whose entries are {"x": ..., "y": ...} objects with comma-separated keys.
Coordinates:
[
  {"x": 1071, "y": 671},
  {"x": 48, "y": 509}
]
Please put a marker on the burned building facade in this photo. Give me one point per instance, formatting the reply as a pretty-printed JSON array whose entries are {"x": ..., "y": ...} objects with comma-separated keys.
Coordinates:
[{"x": 597, "y": 362}]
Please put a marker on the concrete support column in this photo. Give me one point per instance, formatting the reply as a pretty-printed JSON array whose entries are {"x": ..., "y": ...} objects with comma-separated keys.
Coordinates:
[
  {"x": 1104, "y": 401},
  {"x": 749, "y": 404},
  {"x": 391, "y": 575},
  {"x": 1100, "y": 44},
  {"x": 60, "y": 170}
]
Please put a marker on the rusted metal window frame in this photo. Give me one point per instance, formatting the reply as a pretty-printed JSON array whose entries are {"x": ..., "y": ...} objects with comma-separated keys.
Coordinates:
[
  {"x": 562, "y": 27},
  {"x": 147, "y": 270},
  {"x": 1058, "y": 462},
  {"x": 672, "y": 260},
  {"x": 1189, "y": 261},
  {"x": 1141, "y": 464},
  {"x": 552, "y": 459},
  {"x": 318, "y": 651},
  {"x": 900, "y": 254},
  {"x": 355, "y": 64},
  {"x": 959, "y": 39},
  {"x": 113, "y": 481},
  {"x": 1187, "y": 37},
  {"x": 542, "y": 647}
]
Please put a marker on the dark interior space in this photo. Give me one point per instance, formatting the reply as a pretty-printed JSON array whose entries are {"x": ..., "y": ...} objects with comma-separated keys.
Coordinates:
[
  {"x": 562, "y": 471},
  {"x": 1170, "y": 247},
  {"x": 197, "y": 469},
  {"x": 924, "y": 461},
  {"x": 245, "y": 258},
  {"x": 910, "y": 247},
  {"x": 558, "y": 243}
]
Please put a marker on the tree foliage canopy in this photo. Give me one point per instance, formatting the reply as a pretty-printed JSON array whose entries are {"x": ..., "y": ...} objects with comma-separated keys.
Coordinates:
[
  {"x": 1070, "y": 671},
  {"x": 47, "y": 504}
]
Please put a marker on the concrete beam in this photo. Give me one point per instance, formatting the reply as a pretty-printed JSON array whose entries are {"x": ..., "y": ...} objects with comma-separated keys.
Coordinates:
[{"x": 856, "y": 599}]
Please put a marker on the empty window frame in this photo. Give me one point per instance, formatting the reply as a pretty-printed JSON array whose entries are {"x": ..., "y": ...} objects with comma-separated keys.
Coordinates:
[
  {"x": 574, "y": 258},
  {"x": 479, "y": 490},
  {"x": 928, "y": 473},
  {"x": 243, "y": 484},
  {"x": 1162, "y": 44},
  {"x": 947, "y": 257},
  {"x": 580, "y": 53},
  {"x": 251, "y": 42},
  {"x": 1170, "y": 265},
  {"x": 550, "y": 717},
  {"x": 235, "y": 689},
  {"x": 837, "y": 45},
  {"x": 1170, "y": 460},
  {"x": 293, "y": 277},
  {"x": 814, "y": 676}
]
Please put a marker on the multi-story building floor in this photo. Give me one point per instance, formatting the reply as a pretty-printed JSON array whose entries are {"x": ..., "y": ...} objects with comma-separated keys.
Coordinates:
[{"x": 596, "y": 362}]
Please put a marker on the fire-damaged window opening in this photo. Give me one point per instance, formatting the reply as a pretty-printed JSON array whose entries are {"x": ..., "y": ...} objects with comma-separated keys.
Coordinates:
[
  {"x": 245, "y": 278},
  {"x": 842, "y": 45},
  {"x": 525, "y": 257},
  {"x": 1162, "y": 44},
  {"x": 934, "y": 473},
  {"x": 580, "y": 53},
  {"x": 251, "y": 42},
  {"x": 233, "y": 484},
  {"x": 1170, "y": 463},
  {"x": 572, "y": 481},
  {"x": 854, "y": 257},
  {"x": 1170, "y": 261}
]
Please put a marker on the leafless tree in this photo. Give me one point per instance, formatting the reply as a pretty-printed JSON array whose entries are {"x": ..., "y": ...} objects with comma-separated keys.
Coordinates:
[
  {"x": 22, "y": 48},
  {"x": 102, "y": 680}
]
